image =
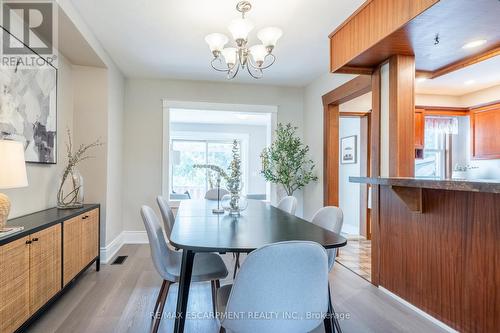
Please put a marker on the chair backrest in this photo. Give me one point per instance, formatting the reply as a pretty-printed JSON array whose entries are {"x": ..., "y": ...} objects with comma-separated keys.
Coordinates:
[
  {"x": 161, "y": 254},
  {"x": 330, "y": 218},
  {"x": 289, "y": 279},
  {"x": 166, "y": 214},
  {"x": 288, "y": 204},
  {"x": 256, "y": 196},
  {"x": 212, "y": 193}
]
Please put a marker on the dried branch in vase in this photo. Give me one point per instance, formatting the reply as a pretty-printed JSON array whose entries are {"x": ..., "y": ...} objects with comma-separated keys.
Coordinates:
[{"x": 70, "y": 193}]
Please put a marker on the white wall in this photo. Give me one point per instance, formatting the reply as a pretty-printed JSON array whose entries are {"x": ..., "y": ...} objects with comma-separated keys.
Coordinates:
[
  {"x": 114, "y": 145},
  {"x": 438, "y": 100},
  {"x": 313, "y": 134},
  {"x": 349, "y": 193},
  {"x": 142, "y": 179},
  {"x": 257, "y": 142},
  {"x": 482, "y": 96},
  {"x": 90, "y": 124}
]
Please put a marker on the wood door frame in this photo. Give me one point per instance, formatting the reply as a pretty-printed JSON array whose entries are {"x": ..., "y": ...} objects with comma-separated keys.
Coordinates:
[{"x": 331, "y": 116}]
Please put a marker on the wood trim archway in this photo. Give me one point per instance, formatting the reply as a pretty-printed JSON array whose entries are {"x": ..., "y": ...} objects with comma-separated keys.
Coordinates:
[
  {"x": 331, "y": 116},
  {"x": 331, "y": 120}
]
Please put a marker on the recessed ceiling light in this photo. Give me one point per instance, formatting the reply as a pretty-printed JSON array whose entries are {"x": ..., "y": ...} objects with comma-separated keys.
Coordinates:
[
  {"x": 468, "y": 82},
  {"x": 421, "y": 79},
  {"x": 474, "y": 43}
]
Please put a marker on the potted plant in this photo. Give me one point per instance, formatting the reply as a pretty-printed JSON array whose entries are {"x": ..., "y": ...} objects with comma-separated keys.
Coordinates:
[{"x": 286, "y": 161}]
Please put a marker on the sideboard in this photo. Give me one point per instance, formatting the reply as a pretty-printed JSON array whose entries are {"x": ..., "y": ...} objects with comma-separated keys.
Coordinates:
[{"x": 40, "y": 262}]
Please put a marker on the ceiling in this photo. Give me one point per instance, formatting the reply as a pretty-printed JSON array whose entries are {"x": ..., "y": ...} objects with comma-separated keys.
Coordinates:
[
  {"x": 218, "y": 117},
  {"x": 469, "y": 79},
  {"x": 165, "y": 38}
]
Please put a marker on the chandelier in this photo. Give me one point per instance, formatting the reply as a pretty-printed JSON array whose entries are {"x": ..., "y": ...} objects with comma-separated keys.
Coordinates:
[{"x": 255, "y": 58}]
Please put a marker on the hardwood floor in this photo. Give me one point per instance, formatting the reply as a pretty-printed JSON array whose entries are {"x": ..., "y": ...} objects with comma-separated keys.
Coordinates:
[
  {"x": 357, "y": 256},
  {"x": 120, "y": 298}
]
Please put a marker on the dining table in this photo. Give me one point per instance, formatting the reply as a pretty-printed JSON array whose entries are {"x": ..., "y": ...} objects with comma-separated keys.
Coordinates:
[{"x": 197, "y": 229}]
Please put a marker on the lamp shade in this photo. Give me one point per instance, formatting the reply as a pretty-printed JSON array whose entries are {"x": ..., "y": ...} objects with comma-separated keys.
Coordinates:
[
  {"x": 216, "y": 41},
  {"x": 240, "y": 28},
  {"x": 229, "y": 55},
  {"x": 259, "y": 53},
  {"x": 12, "y": 165},
  {"x": 269, "y": 36}
]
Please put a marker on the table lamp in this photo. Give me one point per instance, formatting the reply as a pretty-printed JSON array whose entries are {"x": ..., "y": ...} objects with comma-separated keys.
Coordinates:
[{"x": 12, "y": 174}]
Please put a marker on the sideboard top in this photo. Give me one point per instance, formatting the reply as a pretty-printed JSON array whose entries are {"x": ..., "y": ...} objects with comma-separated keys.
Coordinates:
[{"x": 41, "y": 220}]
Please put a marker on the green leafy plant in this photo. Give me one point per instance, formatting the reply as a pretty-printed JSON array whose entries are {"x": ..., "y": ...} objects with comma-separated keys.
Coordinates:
[{"x": 286, "y": 161}]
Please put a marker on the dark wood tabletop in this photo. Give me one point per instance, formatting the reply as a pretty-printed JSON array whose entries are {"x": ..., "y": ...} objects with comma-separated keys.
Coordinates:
[{"x": 197, "y": 229}]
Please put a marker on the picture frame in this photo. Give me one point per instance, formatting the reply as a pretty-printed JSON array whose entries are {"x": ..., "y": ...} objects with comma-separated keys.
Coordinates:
[
  {"x": 349, "y": 150},
  {"x": 28, "y": 107}
]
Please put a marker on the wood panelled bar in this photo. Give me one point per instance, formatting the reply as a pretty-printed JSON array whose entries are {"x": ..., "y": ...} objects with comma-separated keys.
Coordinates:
[{"x": 439, "y": 248}]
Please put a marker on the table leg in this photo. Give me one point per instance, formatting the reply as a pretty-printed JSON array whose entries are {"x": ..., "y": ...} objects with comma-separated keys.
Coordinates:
[
  {"x": 183, "y": 293},
  {"x": 329, "y": 320}
]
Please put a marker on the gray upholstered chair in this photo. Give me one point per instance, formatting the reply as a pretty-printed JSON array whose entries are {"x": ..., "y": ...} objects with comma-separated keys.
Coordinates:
[
  {"x": 212, "y": 193},
  {"x": 287, "y": 278},
  {"x": 206, "y": 267},
  {"x": 330, "y": 218},
  {"x": 256, "y": 196},
  {"x": 288, "y": 204},
  {"x": 166, "y": 214}
]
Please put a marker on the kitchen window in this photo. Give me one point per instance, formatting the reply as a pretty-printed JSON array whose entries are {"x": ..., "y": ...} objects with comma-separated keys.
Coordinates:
[{"x": 436, "y": 161}]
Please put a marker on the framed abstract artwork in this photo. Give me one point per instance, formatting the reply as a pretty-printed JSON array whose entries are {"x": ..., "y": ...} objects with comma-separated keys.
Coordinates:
[
  {"x": 28, "y": 107},
  {"x": 348, "y": 150}
]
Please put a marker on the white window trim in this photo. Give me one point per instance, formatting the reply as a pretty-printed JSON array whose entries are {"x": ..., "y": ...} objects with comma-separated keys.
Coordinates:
[{"x": 271, "y": 189}]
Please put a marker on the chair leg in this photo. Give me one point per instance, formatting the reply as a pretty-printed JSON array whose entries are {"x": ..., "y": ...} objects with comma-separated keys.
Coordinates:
[
  {"x": 236, "y": 265},
  {"x": 332, "y": 314},
  {"x": 158, "y": 299},
  {"x": 336, "y": 322},
  {"x": 214, "y": 296},
  {"x": 328, "y": 321},
  {"x": 159, "y": 313}
]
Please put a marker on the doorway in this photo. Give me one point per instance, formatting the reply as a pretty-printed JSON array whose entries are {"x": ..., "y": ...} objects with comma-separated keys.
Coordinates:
[{"x": 349, "y": 125}]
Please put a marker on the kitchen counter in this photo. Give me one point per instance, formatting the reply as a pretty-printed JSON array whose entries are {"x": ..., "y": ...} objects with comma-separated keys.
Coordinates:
[
  {"x": 435, "y": 245},
  {"x": 483, "y": 185}
]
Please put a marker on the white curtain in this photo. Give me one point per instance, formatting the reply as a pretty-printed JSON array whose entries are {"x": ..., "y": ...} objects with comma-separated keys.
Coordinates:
[{"x": 446, "y": 125}]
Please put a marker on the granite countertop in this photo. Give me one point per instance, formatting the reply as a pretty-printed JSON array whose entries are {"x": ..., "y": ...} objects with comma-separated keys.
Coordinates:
[{"x": 479, "y": 185}]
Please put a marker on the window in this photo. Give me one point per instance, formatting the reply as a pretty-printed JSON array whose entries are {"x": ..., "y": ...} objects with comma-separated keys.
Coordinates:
[
  {"x": 192, "y": 183},
  {"x": 436, "y": 154}
]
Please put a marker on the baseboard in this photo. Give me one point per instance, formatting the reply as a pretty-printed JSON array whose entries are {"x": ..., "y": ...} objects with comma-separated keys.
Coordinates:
[
  {"x": 420, "y": 312},
  {"x": 125, "y": 237},
  {"x": 110, "y": 250},
  {"x": 135, "y": 237}
]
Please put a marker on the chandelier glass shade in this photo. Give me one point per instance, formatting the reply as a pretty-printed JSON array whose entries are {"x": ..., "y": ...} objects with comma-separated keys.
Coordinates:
[{"x": 254, "y": 58}]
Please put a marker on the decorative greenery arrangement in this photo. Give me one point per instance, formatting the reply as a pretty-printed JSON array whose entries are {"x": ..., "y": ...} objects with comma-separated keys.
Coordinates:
[
  {"x": 286, "y": 161},
  {"x": 74, "y": 198},
  {"x": 232, "y": 177}
]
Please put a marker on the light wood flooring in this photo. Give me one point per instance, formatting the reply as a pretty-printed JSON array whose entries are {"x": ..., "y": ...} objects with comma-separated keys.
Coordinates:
[
  {"x": 120, "y": 298},
  {"x": 356, "y": 256}
]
